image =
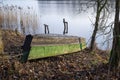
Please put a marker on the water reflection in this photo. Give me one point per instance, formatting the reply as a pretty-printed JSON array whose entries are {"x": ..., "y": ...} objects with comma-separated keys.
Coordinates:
[
  {"x": 52, "y": 13},
  {"x": 78, "y": 13}
]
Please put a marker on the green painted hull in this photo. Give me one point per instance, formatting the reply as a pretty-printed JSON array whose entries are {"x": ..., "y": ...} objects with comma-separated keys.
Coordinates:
[{"x": 54, "y": 50}]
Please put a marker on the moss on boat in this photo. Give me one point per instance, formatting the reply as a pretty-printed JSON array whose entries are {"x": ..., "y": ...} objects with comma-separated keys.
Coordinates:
[
  {"x": 53, "y": 50},
  {"x": 47, "y": 46}
]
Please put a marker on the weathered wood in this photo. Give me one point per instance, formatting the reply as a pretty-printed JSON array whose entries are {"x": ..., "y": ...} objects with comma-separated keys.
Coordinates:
[
  {"x": 26, "y": 48},
  {"x": 53, "y": 39},
  {"x": 65, "y": 26},
  {"x": 53, "y": 45},
  {"x": 43, "y": 45},
  {"x": 46, "y": 29}
]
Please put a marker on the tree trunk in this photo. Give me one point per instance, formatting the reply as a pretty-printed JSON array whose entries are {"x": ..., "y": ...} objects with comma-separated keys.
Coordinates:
[
  {"x": 99, "y": 10},
  {"x": 92, "y": 44},
  {"x": 114, "y": 60}
]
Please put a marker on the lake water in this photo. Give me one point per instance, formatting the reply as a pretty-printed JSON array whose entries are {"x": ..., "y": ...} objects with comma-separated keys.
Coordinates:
[{"x": 75, "y": 12}]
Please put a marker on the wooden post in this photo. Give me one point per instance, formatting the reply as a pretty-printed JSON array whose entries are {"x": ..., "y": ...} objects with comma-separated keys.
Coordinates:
[
  {"x": 80, "y": 42},
  {"x": 26, "y": 48},
  {"x": 65, "y": 26},
  {"x": 46, "y": 28}
]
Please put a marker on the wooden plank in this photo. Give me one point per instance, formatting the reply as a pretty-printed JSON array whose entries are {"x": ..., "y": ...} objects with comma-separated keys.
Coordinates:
[{"x": 53, "y": 50}]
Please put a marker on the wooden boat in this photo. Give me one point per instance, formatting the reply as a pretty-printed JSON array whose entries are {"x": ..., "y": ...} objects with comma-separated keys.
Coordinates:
[
  {"x": 42, "y": 45},
  {"x": 47, "y": 45}
]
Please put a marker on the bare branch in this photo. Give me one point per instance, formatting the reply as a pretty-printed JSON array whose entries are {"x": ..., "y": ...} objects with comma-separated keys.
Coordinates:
[{"x": 103, "y": 6}]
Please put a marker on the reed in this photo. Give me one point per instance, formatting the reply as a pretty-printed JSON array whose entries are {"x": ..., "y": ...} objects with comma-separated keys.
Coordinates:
[{"x": 15, "y": 17}]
